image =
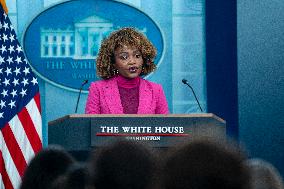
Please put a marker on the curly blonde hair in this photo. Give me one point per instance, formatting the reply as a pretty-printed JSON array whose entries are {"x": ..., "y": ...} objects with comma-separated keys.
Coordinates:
[{"x": 117, "y": 39}]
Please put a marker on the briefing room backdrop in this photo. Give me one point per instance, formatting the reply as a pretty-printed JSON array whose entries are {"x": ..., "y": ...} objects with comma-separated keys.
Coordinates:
[
  {"x": 237, "y": 72},
  {"x": 175, "y": 27}
]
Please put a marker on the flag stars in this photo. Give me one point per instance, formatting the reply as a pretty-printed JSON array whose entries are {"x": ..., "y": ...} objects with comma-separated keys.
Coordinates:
[
  {"x": 18, "y": 60},
  {"x": 14, "y": 93},
  {"x": 1, "y": 60},
  {"x": 16, "y": 78},
  {"x": 15, "y": 82},
  {"x": 2, "y": 104},
  {"x": 5, "y": 26},
  {"x": 8, "y": 71},
  {"x": 4, "y": 37},
  {"x": 19, "y": 49},
  {"x": 11, "y": 49},
  {"x": 12, "y": 104},
  {"x": 6, "y": 82},
  {"x": 17, "y": 71},
  {"x": 3, "y": 48},
  {"x": 12, "y": 38},
  {"x": 5, "y": 15},
  {"x": 26, "y": 70},
  {"x": 4, "y": 93},
  {"x": 23, "y": 92},
  {"x": 11, "y": 27},
  {"x": 34, "y": 81},
  {"x": 9, "y": 60},
  {"x": 25, "y": 81}
]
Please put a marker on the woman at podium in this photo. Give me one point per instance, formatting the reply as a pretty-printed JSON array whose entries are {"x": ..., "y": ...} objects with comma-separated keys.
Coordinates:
[{"x": 123, "y": 58}]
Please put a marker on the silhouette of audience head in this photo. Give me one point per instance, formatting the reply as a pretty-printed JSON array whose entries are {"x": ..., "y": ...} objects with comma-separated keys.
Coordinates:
[
  {"x": 205, "y": 164},
  {"x": 123, "y": 165},
  {"x": 264, "y": 175},
  {"x": 76, "y": 177},
  {"x": 45, "y": 167}
]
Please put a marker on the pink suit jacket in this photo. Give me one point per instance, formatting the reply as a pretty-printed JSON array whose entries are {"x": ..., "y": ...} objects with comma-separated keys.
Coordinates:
[{"x": 104, "y": 98}]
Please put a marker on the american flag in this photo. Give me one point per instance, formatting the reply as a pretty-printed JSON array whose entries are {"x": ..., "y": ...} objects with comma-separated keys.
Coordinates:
[{"x": 20, "y": 113}]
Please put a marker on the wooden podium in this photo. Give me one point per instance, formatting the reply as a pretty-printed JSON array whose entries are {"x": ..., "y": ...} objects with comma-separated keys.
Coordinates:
[{"x": 80, "y": 133}]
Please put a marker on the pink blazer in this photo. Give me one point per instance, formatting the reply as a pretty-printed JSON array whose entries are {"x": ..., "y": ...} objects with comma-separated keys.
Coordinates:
[{"x": 104, "y": 98}]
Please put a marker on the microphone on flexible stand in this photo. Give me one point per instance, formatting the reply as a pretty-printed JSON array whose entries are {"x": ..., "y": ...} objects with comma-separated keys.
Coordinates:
[
  {"x": 82, "y": 85},
  {"x": 186, "y": 83}
]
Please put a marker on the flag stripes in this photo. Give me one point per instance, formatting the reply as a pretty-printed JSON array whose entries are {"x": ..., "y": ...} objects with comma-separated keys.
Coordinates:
[
  {"x": 8, "y": 170},
  {"x": 33, "y": 108},
  {"x": 6, "y": 183},
  {"x": 14, "y": 149},
  {"x": 21, "y": 140},
  {"x": 29, "y": 129}
]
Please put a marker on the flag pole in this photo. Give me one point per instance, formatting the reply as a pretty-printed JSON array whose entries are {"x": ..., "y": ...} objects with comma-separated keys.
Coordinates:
[{"x": 3, "y": 3}]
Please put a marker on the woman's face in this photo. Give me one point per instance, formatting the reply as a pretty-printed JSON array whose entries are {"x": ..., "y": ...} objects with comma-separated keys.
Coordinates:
[{"x": 128, "y": 61}]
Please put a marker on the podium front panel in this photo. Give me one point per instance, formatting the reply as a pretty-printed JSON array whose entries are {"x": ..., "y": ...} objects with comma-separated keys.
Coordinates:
[
  {"x": 154, "y": 131},
  {"x": 81, "y": 132}
]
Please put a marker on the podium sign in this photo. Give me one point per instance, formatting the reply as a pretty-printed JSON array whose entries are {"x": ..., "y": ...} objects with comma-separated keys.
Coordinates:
[{"x": 82, "y": 132}]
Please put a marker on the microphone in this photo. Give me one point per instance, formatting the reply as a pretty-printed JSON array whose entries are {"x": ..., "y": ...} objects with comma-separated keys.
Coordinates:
[
  {"x": 186, "y": 83},
  {"x": 82, "y": 85}
]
